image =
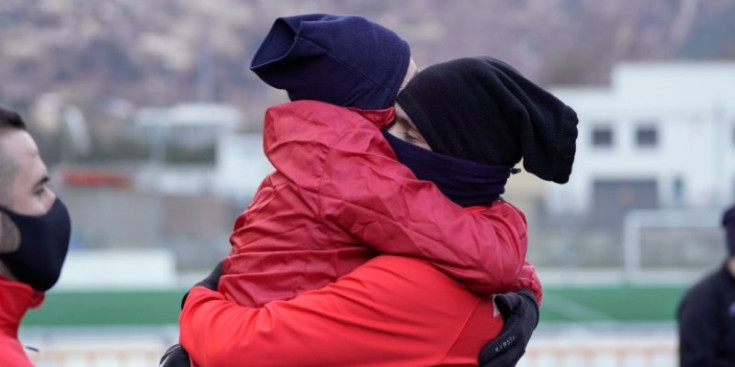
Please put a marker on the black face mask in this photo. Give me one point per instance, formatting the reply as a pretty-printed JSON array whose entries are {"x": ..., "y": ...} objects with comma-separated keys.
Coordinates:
[
  {"x": 464, "y": 182},
  {"x": 44, "y": 242}
]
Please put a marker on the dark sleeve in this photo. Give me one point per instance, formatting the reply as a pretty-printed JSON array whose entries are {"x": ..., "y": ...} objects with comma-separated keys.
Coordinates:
[{"x": 698, "y": 324}]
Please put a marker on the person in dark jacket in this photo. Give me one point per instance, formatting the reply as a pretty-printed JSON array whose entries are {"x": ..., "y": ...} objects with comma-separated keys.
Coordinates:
[
  {"x": 707, "y": 312},
  {"x": 34, "y": 233}
]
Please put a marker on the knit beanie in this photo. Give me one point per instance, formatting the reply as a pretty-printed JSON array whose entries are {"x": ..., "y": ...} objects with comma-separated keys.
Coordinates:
[
  {"x": 345, "y": 60},
  {"x": 481, "y": 109},
  {"x": 728, "y": 221}
]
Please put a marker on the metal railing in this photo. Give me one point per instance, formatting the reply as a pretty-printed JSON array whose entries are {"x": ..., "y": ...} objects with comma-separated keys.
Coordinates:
[
  {"x": 664, "y": 355},
  {"x": 97, "y": 357},
  {"x": 607, "y": 355}
]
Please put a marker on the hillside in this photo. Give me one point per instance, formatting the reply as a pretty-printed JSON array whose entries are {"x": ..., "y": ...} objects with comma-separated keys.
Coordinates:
[{"x": 96, "y": 54}]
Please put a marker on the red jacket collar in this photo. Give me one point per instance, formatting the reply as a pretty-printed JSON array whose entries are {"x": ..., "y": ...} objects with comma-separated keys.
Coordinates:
[
  {"x": 380, "y": 118},
  {"x": 15, "y": 299}
]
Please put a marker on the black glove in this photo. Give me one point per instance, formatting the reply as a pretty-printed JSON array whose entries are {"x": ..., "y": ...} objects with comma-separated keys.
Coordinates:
[
  {"x": 520, "y": 313},
  {"x": 210, "y": 281},
  {"x": 175, "y": 356}
]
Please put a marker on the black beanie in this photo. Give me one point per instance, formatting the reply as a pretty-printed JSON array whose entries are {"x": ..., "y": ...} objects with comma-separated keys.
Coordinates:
[
  {"x": 482, "y": 110},
  {"x": 348, "y": 61}
]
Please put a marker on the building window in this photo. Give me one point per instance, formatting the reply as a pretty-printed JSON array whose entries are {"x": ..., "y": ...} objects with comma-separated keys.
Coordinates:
[
  {"x": 646, "y": 136},
  {"x": 602, "y": 137}
]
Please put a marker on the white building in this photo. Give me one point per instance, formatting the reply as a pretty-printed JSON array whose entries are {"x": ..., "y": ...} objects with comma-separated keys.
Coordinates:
[
  {"x": 193, "y": 125},
  {"x": 661, "y": 136},
  {"x": 241, "y": 165},
  {"x": 238, "y": 164}
]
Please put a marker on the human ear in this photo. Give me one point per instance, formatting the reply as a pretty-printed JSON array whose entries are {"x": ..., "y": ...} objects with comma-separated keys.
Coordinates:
[{"x": 9, "y": 235}]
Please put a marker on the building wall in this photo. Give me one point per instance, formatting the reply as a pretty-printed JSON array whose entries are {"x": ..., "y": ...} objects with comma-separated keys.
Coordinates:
[{"x": 690, "y": 105}]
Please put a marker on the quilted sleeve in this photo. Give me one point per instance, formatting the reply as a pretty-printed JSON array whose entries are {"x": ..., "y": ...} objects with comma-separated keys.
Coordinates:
[{"x": 342, "y": 160}]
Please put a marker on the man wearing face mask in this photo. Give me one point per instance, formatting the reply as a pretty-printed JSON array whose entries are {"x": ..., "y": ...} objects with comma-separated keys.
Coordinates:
[
  {"x": 337, "y": 199},
  {"x": 34, "y": 233}
]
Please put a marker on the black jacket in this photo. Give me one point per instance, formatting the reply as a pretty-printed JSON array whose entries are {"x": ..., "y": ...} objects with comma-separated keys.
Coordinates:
[{"x": 707, "y": 322}]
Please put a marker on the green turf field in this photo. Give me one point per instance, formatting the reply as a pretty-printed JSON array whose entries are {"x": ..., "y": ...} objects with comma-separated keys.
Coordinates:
[
  {"x": 157, "y": 307},
  {"x": 611, "y": 303}
]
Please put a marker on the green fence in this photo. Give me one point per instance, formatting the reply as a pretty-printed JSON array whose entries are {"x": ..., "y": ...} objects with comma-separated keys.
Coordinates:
[
  {"x": 611, "y": 303},
  {"x": 623, "y": 303}
]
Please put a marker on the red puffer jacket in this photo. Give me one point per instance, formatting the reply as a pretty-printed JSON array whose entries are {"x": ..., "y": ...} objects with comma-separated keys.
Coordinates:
[
  {"x": 15, "y": 299},
  {"x": 339, "y": 197},
  {"x": 392, "y": 311}
]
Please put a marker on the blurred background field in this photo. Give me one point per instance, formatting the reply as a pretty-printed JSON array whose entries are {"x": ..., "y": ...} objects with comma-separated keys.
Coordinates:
[
  {"x": 585, "y": 325},
  {"x": 151, "y": 124}
]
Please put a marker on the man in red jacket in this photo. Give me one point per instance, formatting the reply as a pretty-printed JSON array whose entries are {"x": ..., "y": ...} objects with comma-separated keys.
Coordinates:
[
  {"x": 338, "y": 196},
  {"x": 470, "y": 140},
  {"x": 275, "y": 265},
  {"x": 34, "y": 233}
]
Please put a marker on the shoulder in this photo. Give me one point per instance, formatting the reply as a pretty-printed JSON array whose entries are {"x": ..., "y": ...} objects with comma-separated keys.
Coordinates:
[
  {"x": 310, "y": 110},
  {"x": 12, "y": 353},
  {"x": 704, "y": 293},
  {"x": 316, "y": 111},
  {"x": 704, "y": 285},
  {"x": 505, "y": 210}
]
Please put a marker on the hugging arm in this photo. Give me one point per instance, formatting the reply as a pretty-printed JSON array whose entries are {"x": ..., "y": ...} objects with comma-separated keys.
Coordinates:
[
  {"x": 342, "y": 161},
  {"x": 381, "y": 314}
]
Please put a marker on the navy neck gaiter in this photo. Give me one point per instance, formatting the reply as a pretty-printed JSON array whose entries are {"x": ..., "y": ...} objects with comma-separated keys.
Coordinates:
[
  {"x": 464, "y": 182},
  {"x": 44, "y": 242}
]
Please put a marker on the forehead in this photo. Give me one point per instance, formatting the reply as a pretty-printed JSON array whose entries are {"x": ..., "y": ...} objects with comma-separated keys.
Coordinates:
[
  {"x": 21, "y": 154},
  {"x": 410, "y": 73},
  {"x": 18, "y": 146}
]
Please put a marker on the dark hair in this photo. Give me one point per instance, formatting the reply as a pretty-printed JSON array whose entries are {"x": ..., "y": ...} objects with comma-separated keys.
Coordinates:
[{"x": 10, "y": 119}]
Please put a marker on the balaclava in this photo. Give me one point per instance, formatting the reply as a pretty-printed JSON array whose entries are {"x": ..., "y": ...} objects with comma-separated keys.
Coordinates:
[{"x": 482, "y": 110}]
